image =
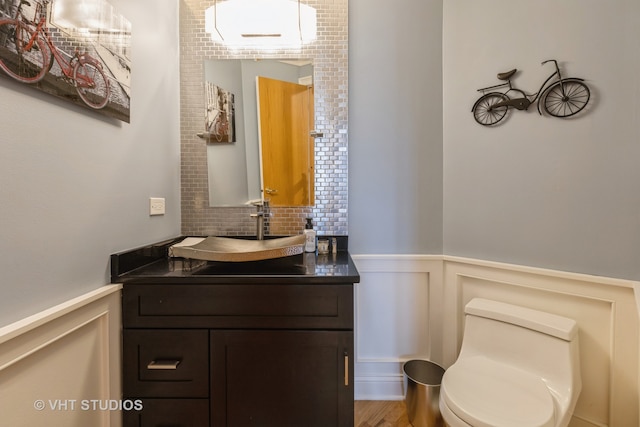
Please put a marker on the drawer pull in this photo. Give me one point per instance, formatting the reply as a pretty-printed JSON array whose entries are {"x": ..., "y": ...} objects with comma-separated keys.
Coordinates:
[
  {"x": 346, "y": 369},
  {"x": 163, "y": 365}
]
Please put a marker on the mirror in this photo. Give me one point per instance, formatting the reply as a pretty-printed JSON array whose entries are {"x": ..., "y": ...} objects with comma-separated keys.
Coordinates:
[
  {"x": 259, "y": 139},
  {"x": 330, "y": 53}
]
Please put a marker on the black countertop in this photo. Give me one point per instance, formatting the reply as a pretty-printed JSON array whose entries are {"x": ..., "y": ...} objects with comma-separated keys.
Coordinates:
[{"x": 151, "y": 264}]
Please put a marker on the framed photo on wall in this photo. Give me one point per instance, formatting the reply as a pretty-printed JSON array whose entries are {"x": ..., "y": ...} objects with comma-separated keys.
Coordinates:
[{"x": 220, "y": 122}]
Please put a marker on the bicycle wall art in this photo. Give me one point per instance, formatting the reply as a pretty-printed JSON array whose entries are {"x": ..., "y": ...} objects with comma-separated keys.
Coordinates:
[
  {"x": 76, "y": 51},
  {"x": 220, "y": 123},
  {"x": 558, "y": 96}
]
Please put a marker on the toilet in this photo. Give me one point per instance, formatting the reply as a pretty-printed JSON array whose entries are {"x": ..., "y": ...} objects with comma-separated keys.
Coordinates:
[{"x": 517, "y": 367}]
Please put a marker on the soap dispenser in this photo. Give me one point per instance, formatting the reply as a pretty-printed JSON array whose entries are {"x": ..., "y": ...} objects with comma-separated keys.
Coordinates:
[{"x": 310, "y": 237}]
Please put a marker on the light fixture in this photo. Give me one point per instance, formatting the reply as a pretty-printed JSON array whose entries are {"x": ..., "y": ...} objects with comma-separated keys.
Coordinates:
[{"x": 281, "y": 23}]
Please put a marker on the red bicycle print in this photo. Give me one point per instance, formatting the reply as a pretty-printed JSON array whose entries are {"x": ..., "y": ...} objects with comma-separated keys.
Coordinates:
[
  {"x": 28, "y": 53},
  {"x": 220, "y": 126}
]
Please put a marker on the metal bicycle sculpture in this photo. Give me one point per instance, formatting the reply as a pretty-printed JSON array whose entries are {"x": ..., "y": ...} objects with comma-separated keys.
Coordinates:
[{"x": 557, "y": 96}]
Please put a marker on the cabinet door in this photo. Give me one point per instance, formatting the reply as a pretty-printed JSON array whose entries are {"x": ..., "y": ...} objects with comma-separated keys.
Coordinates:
[{"x": 282, "y": 378}]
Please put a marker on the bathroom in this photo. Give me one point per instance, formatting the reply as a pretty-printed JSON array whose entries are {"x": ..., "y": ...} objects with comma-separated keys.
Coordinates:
[{"x": 539, "y": 210}]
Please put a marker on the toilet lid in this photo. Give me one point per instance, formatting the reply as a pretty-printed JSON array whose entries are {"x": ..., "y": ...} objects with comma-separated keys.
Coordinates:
[{"x": 484, "y": 393}]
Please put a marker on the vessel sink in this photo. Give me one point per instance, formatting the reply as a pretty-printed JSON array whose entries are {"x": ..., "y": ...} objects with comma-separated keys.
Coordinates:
[{"x": 227, "y": 249}]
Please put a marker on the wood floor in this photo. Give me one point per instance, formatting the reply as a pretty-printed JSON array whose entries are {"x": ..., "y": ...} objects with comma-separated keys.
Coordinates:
[{"x": 381, "y": 413}]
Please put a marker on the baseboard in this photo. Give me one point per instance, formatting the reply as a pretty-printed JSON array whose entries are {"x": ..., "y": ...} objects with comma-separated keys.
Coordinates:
[{"x": 379, "y": 388}]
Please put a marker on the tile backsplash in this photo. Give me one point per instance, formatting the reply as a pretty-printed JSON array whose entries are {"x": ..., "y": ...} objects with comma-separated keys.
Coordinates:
[{"x": 330, "y": 55}]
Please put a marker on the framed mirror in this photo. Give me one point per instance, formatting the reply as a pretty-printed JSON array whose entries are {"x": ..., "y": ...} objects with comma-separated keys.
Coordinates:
[
  {"x": 258, "y": 124},
  {"x": 330, "y": 83}
]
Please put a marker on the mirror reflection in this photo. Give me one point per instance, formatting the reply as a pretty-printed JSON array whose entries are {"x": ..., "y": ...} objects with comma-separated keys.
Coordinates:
[{"x": 259, "y": 141}]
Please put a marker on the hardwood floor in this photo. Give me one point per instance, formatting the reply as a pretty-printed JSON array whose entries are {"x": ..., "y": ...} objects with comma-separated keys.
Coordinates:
[{"x": 381, "y": 413}]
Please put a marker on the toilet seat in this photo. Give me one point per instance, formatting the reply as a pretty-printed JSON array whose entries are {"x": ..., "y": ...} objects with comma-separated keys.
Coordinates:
[{"x": 484, "y": 393}]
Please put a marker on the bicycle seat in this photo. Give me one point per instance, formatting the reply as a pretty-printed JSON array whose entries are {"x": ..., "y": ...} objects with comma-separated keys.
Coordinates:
[{"x": 507, "y": 75}]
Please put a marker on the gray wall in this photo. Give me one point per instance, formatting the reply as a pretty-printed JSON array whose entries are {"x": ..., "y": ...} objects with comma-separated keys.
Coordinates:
[
  {"x": 395, "y": 127},
  {"x": 75, "y": 187},
  {"x": 537, "y": 191},
  {"x": 424, "y": 178},
  {"x": 540, "y": 191}
]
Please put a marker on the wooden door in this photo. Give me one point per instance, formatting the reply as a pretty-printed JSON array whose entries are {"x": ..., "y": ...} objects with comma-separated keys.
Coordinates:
[{"x": 286, "y": 146}]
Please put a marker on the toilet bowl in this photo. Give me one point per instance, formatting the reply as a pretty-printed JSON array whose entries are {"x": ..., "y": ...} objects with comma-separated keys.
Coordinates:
[{"x": 517, "y": 368}]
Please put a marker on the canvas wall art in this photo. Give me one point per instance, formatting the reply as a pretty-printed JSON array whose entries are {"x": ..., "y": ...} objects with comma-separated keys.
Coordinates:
[
  {"x": 77, "y": 50},
  {"x": 220, "y": 121}
]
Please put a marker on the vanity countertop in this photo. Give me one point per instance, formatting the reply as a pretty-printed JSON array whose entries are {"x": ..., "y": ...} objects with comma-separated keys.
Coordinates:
[{"x": 152, "y": 264}]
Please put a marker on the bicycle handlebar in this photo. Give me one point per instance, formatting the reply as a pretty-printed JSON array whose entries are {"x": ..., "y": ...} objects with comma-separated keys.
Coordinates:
[{"x": 549, "y": 60}]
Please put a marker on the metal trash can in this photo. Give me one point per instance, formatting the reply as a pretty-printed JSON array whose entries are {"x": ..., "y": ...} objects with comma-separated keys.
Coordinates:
[{"x": 422, "y": 381}]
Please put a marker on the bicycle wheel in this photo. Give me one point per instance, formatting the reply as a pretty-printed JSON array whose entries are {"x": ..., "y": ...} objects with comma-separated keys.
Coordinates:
[
  {"x": 484, "y": 111},
  {"x": 566, "y": 98},
  {"x": 27, "y": 64},
  {"x": 91, "y": 84},
  {"x": 218, "y": 131}
]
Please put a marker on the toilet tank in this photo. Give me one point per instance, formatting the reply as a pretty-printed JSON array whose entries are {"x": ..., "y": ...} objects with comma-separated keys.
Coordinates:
[{"x": 537, "y": 342}]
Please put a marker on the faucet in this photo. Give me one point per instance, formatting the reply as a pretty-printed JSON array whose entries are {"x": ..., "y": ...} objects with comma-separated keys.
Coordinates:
[{"x": 262, "y": 211}]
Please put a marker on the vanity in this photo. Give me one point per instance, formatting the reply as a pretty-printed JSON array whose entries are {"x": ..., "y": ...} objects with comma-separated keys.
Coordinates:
[{"x": 262, "y": 343}]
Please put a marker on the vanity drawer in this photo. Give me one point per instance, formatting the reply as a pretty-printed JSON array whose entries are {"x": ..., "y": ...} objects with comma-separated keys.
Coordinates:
[
  {"x": 165, "y": 363},
  {"x": 169, "y": 412},
  {"x": 256, "y": 306}
]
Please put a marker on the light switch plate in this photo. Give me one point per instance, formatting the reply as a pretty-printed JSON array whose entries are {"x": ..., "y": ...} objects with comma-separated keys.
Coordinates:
[{"x": 156, "y": 206}]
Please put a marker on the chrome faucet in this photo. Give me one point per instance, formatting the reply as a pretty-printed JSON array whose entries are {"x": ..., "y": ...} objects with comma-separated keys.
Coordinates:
[{"x": 262, "y": 211}]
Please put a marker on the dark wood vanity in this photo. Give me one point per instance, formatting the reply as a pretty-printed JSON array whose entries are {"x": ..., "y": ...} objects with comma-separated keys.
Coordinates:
[{"x": 234, "y": 348}]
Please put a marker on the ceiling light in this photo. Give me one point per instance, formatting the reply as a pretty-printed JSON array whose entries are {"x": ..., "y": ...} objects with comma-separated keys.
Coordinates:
[{"x": 261, "y": 22}]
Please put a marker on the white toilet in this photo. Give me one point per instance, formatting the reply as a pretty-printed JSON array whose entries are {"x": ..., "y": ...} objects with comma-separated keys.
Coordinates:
[{"x": 517, "y": 368}]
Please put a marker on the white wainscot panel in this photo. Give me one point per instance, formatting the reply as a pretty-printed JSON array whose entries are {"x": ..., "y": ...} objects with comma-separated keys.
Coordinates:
[
  {"x": 395, "y": 320},
  {"x": 54, "y": 364}
]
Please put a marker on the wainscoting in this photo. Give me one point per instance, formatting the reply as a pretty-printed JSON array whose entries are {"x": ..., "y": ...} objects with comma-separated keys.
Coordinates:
[
  {"x": 407, "y": 307},
  {"x": 412, "y": 307},
  {"x": 395, "y": 320},
  {"x": 53, "y": 365}
]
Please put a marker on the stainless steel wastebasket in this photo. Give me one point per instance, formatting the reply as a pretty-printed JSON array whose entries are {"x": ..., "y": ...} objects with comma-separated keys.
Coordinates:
[{"x": 422, "y": 381}]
